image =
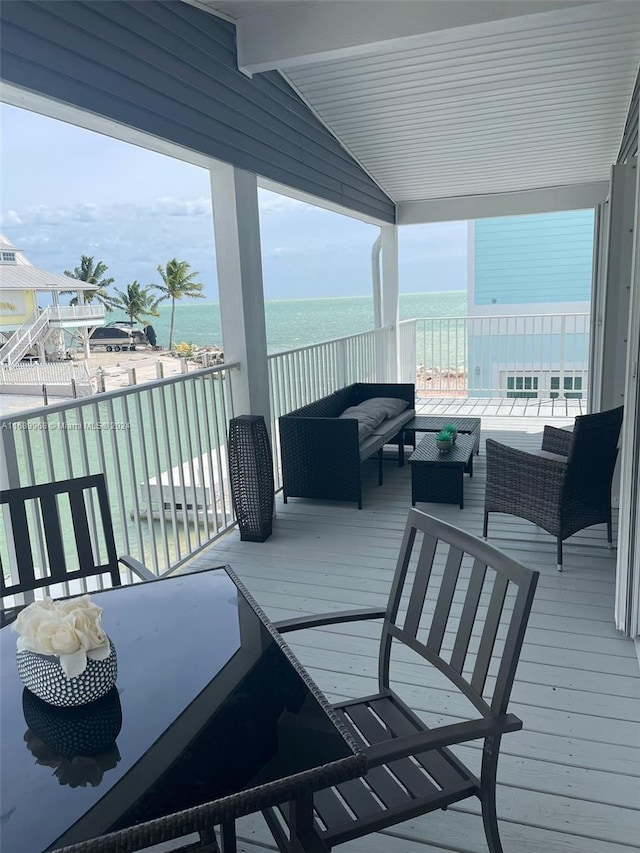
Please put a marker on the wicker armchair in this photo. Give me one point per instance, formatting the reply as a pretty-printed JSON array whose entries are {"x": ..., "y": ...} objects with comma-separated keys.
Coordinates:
[{"x": 564, "y": 487}]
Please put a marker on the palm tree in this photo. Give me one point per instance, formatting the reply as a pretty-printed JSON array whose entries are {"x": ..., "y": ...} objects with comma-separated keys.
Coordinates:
[
  {"x": 178, "y": 282},
  {"x": 136, "y": 301},
  {"x": 92, "y": 273}
]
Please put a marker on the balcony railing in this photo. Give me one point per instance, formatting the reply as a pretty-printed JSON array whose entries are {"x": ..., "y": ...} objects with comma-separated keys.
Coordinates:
[
  {"x": 162, "y": 448},
  {"x": 162, "y": 444},
  {"x": 76, "y": 313},
  {"x": 544, "y": 355},
  {"x": 300, "y": 376}
]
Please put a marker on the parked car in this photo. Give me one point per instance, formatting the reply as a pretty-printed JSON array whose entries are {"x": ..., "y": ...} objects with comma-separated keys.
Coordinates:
[{"x": 117, "y": 336}]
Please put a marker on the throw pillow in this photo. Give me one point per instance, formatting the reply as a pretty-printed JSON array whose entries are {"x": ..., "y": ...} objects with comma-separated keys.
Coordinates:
[
  {"x": 389, "y": 407},
  {"x": 367, "y": 421}
]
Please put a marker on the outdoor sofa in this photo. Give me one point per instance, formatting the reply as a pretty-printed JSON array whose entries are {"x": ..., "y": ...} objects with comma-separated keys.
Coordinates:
[{"x": 323, "y": 446}]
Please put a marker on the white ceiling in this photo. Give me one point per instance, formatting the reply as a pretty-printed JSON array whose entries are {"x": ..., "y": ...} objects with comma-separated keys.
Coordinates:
[{"x": 464, "y": 100}]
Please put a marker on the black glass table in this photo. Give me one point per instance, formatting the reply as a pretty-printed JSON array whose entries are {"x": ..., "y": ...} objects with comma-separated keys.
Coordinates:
[{"x": 214, "y": 717}]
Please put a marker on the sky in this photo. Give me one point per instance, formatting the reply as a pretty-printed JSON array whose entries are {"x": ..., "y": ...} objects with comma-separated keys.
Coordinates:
[{"x": 68, "y": 192}]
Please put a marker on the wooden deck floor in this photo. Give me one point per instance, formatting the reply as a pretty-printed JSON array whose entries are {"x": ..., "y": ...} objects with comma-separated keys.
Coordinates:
[{"x": 570, "y": 781}]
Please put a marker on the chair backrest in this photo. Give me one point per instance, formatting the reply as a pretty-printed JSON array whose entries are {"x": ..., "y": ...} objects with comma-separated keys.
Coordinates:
[
  {"x": 461, "y": 604},
  {"x": 55, "y": 533},
  {"x": 594, "y": 450}
]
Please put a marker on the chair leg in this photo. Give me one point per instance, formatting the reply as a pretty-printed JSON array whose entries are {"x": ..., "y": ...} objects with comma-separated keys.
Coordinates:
[
  {"x": 559, "y": 554},
  {"x": 485, "y": 527},
  {"x": 609, "y": 533},
  {"x": 488, "y": 794}
]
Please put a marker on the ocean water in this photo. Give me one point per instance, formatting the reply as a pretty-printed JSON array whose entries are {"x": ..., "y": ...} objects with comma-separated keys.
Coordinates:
[{"x": 295, "y": 323}]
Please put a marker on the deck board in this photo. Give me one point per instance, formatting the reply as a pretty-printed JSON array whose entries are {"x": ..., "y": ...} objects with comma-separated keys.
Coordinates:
[{"x": 569, "y": 782}]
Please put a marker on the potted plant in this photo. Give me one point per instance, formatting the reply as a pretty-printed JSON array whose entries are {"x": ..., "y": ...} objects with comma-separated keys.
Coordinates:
[
  {"x": 444, "y": 441},
  {"x": 452, "y": 429}
]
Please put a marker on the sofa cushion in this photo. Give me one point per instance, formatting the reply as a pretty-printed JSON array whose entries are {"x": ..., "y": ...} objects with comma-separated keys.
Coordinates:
[
  {"x": 367, "y": 421},
  {"x": 387, "y": 430},
  {"x": 388, "y": 406}
]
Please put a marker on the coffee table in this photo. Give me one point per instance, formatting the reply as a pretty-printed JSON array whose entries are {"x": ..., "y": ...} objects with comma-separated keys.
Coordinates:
[
  {"x": 432, "y": 423},
  {"x": 439, "y": 477}
]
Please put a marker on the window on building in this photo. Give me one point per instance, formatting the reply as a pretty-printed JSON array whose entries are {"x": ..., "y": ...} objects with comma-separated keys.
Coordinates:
[
  {"x": 8, "y": 257},
  {"x": 522, "y": 386},
  {"x": 571, "y": 386}
]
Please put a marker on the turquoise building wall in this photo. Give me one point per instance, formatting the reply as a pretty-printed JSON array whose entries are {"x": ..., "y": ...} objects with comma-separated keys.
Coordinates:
[
  {"x": 539, "y": 261},
  {"x": 533, "y": 259}
]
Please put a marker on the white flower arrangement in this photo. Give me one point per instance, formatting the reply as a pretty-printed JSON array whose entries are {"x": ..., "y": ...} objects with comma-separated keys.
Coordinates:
[{"x": 68, "y": 629}]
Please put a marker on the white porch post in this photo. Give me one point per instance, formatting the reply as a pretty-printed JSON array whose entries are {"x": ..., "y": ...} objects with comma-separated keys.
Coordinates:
[
  {"x": 239, "y": 264},
  {"x": 615, "y": 320},
  {"x": 389, "y": 235},
  {"x": 628, "y": 565}
]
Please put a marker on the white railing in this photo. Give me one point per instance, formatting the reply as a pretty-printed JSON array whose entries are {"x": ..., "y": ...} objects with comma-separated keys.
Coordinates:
[
  {"x": 544, "y": 355},
  {"x": 25, "y": 337},
  {"x": 300, "y": 376},
  {"x": 407, "y": 356},
  {"x": 162, "y": 448},
  {"x": 55, "y": 373},
  {"x": 78, "y": 313}
]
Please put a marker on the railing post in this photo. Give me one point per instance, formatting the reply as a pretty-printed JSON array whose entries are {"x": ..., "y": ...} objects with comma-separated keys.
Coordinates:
[
  {"x": 44, "y": 395},
  {"x": 159, "y": 369},
  {"x": 132, "y": 376},
  {"x": 341, "y": 364}
]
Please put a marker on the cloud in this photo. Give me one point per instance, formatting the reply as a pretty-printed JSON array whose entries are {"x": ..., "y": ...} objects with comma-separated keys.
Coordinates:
[
  {"x": 168, "y": 206},
  {"x": 269, "y": 203},
  {"x": 312, "y": 254},
  {"x": 11, "y": 217}
]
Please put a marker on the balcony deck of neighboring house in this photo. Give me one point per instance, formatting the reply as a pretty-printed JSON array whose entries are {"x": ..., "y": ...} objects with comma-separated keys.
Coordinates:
[{"x": 568, "y": 783}]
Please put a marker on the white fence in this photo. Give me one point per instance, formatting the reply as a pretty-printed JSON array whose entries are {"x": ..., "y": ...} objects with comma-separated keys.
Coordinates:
[
  {"x": 162, "y": 448},
  {"x": 61, "y": 378}
]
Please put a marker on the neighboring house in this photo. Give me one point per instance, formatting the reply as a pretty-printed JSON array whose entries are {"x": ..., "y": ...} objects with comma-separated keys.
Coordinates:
[
  {"x": 27, "y": 328},
  {"x": 532, "y": 276}
]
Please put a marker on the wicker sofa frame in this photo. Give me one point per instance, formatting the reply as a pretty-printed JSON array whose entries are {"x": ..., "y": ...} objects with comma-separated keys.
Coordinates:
[
  {"x": 564, "y": 488},
  {"x": 321, "y": 453}
]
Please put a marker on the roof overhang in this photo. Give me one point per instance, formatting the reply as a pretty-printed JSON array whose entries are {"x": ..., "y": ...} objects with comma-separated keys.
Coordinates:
[{"x": 458, "y": 101}]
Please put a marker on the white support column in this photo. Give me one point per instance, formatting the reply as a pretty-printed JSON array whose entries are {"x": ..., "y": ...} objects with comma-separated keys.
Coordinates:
[
  {"x": 622, "y": 201},
  {"x": 389, "y": 235},
  {"x": 628, "y": 565},
  {"x": 239, "y": 263}
]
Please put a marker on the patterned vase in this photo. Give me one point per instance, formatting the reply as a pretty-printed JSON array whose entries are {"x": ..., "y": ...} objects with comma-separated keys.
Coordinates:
[{"x": 43, "y": 675}]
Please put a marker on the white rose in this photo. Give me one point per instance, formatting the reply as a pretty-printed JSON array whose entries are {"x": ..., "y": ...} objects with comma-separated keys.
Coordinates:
[
  {"x": 32, "y": 616},
  {"x": 62, "y": 636},
  {"x": 83, "y": 602},
  {"x": 87, "y": 627},
  {"x": 38, "y": 638},
  {"x": 70, "y": 630}
]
